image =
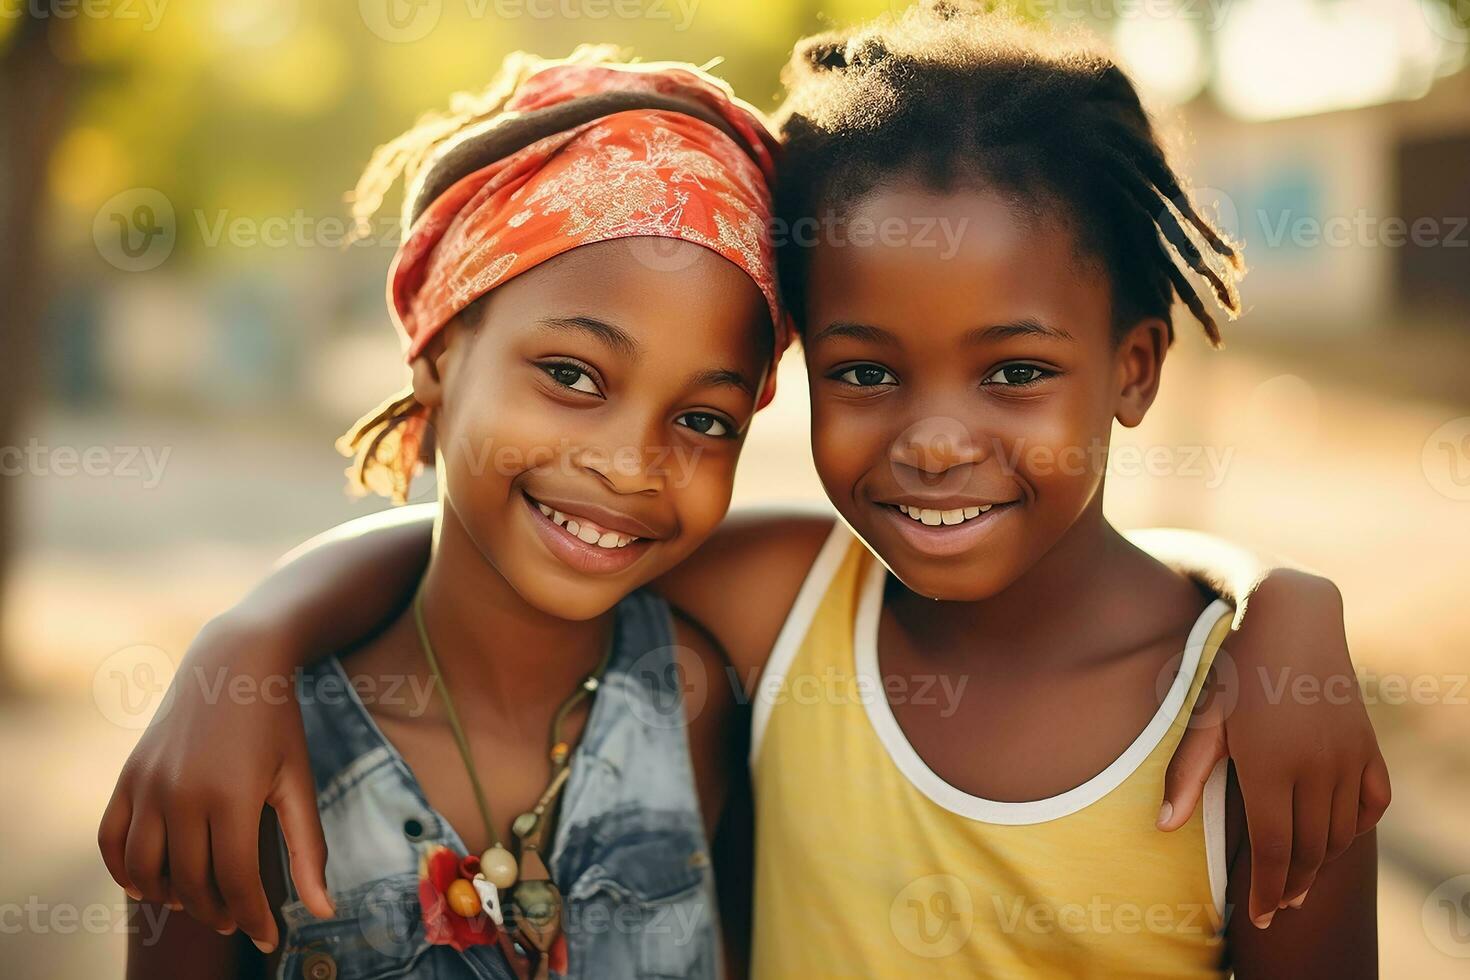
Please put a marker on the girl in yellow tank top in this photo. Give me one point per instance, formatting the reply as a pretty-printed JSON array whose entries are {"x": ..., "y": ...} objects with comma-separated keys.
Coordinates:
[
  {"x": 961, "y": 737},
  {"x": 1078, "y": 884}
]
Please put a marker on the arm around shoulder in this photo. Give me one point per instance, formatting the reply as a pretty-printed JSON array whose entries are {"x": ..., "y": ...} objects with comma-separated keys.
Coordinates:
[{"x": 741, "y": 584}]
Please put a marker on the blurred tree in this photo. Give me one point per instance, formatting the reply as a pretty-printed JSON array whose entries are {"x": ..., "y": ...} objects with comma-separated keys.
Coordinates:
[{"x": 34, "y": 86}]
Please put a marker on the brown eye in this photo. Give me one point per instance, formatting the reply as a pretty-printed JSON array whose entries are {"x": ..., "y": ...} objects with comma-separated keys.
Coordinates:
[
  {"x": 571, "y": 376},
  {"x": 704, "y": 423},
  {"x": 1017, "y": 374},
  {"x": 867, "y": 376}
]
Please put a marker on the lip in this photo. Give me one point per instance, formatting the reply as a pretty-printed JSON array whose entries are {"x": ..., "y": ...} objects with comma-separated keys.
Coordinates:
[
  {"x": 945, "y": 540},
  {"x": 605, "y": 517},
  {"x": 578, "y": 554}
]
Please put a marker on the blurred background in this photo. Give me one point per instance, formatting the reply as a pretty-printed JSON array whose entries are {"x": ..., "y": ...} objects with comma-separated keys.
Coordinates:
[{"x": 183, "y": 335}]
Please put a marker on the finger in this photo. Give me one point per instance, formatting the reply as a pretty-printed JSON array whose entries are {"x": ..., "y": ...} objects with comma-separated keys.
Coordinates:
[
  {"x": 1374, "y": 795},
  {"x": 1344, "y": 828},
  {"x": 112, "y": 838},
  {"x": 188, "y": 871},
  {"x": 234, "y": 840},
  {"x": 1268, "y": 818},
  {"x": 1311, "y": 823},
  {"x": 1199, "y": 751},
  {"x": 143, "y": 859},
  {"x": 301, "y": 827}
]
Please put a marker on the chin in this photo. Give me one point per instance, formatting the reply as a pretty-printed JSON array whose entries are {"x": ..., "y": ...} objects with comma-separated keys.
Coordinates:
[{"x": 955, "y": 584}]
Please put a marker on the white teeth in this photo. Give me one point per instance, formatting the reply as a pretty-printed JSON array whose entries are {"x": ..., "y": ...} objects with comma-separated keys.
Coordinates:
[
  {"x": 933, "y": 518},
  {"x": 586, "y": 532}
]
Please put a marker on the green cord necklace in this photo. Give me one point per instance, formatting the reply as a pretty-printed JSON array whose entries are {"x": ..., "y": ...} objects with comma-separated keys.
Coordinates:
[{"x": 535, "y": 903}]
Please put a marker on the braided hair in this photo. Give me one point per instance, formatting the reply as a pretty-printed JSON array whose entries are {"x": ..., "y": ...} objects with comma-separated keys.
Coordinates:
[{"x": 953, "y": 91}]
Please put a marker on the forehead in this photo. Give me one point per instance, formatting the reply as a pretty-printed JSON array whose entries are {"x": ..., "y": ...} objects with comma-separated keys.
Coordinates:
[
  {"x": 905, "y": 257},
  {"x": 678, "y": 300}
]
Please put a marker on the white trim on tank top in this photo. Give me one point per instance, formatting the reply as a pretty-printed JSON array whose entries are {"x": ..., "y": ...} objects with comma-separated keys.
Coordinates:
[
  {"x": 798, "y": 621},
  {"x": 926, "y": 781}
]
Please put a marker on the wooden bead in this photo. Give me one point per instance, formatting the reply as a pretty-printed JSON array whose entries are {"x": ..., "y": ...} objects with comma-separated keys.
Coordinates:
[
  {"x": 559, "y": 753},
  {"x": 463, "y": 898},
  {"x": 499, "y": 867}
]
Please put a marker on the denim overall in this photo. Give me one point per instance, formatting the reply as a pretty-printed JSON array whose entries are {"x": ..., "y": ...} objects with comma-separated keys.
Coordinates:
[{"x": 629, "y": 856}]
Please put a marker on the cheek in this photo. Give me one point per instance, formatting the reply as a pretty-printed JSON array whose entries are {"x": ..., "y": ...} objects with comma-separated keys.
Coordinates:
[
  {"x": 1059, "y": 447},
  {"x": 847, "y": 441}
]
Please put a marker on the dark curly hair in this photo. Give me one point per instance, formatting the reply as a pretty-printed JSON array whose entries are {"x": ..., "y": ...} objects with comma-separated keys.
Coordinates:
[{"x": 949, "y": 92}]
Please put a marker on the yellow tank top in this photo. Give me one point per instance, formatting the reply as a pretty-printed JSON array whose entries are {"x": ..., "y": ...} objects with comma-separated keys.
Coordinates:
[{"x": 870, "y": 865}]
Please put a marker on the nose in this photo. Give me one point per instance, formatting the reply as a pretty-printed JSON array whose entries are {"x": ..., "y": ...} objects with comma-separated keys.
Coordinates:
[
  {"x": 624, "y": 469},
  {"x": 936, "y": 444}
]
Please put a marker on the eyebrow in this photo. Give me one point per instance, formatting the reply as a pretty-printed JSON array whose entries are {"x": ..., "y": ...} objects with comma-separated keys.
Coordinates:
[
  {"x": 1025, "y": 327},
  {"x": 610, "y": 334},
  {"x": 722, "y": 378},
  {"x": 856, "y": 331}
]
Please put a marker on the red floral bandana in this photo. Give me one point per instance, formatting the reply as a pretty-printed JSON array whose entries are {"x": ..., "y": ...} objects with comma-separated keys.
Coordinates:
[{"x": 637, "y": 173}]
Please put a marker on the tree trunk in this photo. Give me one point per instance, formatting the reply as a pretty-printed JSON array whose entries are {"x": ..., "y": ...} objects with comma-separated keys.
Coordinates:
[{"x": 32, "y": 98}]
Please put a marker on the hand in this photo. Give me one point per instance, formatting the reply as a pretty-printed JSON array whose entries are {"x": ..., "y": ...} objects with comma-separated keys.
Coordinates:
[
  {"x": 1310, "y": 771},
  {"x": 182, "y": 827}
]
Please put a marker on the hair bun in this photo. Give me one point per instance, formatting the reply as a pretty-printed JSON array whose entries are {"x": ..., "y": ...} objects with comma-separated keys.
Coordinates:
[{"x": 826, "y": 53}]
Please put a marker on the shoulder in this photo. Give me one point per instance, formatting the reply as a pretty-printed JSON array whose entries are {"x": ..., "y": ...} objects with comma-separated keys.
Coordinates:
[
  {"x": 710, "y": 714},
  {"x": 741, "y": 584}
]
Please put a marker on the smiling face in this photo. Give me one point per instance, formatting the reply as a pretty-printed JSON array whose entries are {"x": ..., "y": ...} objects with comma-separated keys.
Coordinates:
[
  {"x": 589, "y": 424},
  {"x": 963, "y": 396}
]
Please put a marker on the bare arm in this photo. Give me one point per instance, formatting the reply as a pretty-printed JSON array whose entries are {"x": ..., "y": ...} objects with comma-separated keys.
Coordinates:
[
  {"x": 1333, "y": 932},
  {"x": 165, "y": 944}
]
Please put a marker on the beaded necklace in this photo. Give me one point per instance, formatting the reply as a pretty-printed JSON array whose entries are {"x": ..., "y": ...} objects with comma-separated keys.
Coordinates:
[{"x": 535, "y": 902}]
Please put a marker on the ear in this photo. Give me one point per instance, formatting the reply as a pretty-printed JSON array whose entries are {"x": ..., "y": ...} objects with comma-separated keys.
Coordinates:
[
  {"x": 428, "y": 386},
  {"x": 1140, "y": 364},
  {"x": 431, "y": 368}
]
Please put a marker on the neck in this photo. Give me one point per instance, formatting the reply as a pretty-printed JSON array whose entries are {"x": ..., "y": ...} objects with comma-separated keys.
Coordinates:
[
  {"x": 1068, "y": 585},
  {"x": 494, "y": 648}
]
